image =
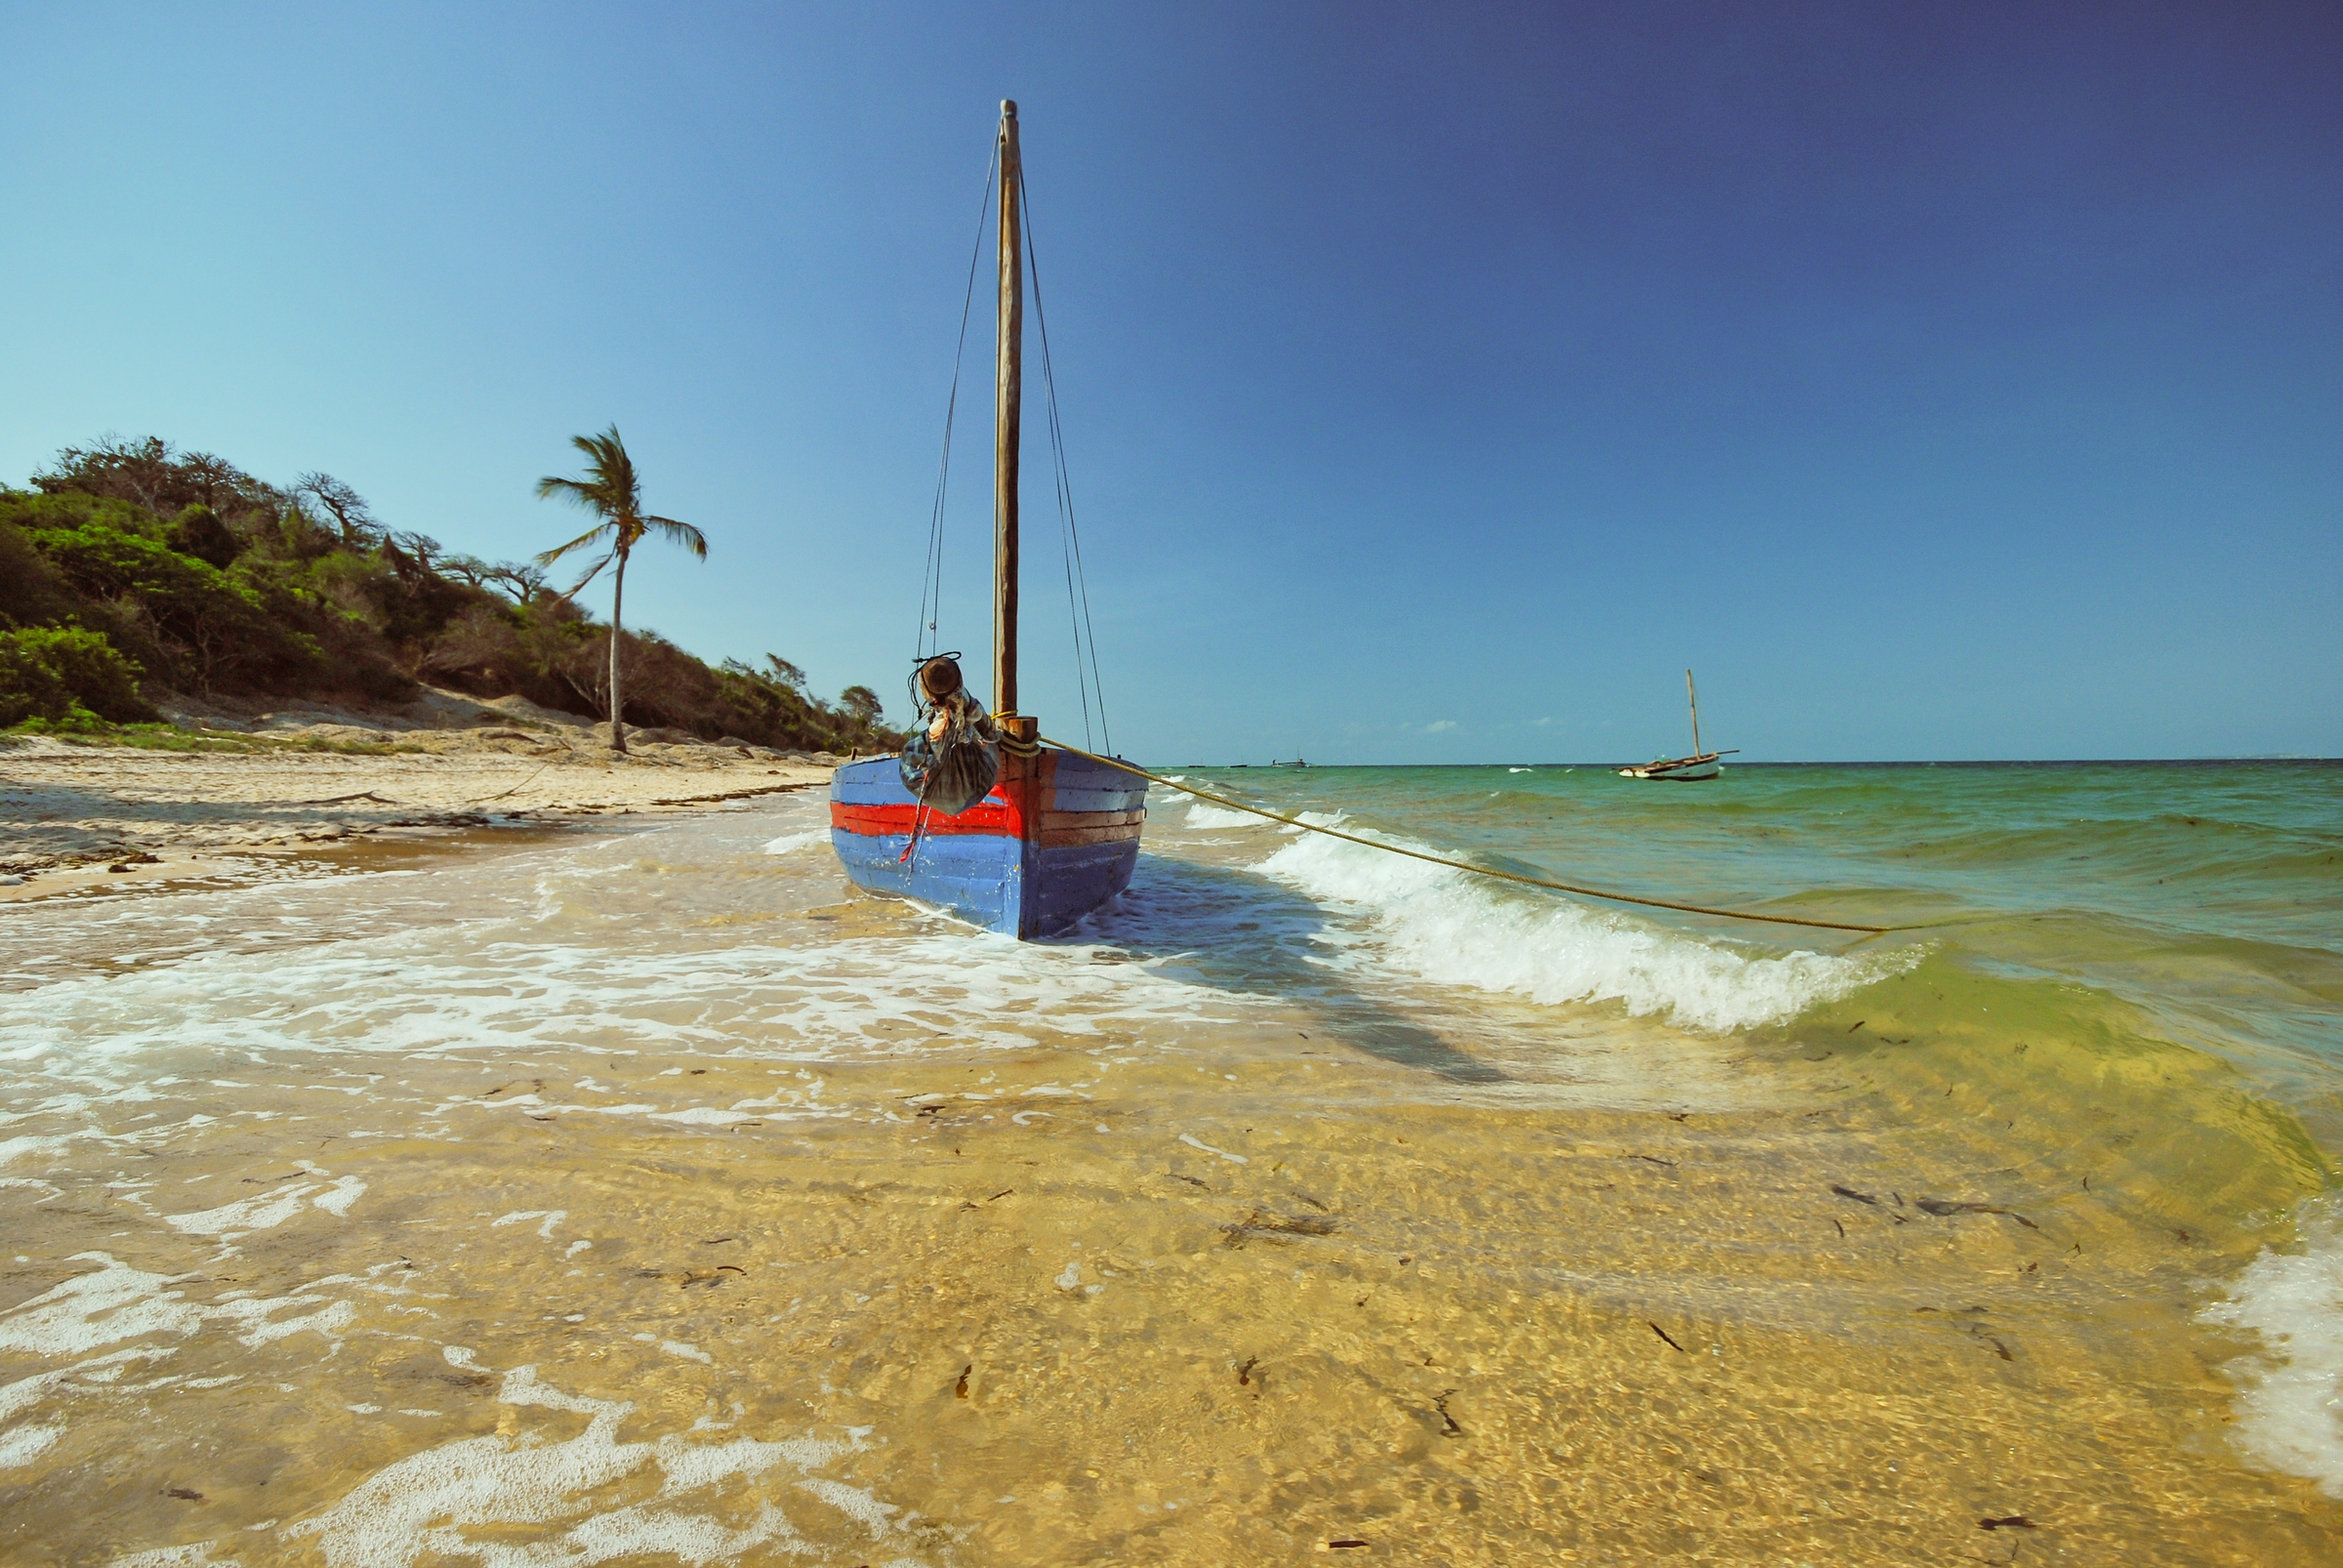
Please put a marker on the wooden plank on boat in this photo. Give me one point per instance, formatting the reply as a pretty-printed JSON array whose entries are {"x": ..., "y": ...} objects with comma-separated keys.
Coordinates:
[{"x": 1119, "y": 833}]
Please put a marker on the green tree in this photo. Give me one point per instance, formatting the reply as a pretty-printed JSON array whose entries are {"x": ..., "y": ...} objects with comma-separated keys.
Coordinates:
[
  {"x": 69, "y": 675},
  {"x": 612, "y": 490},
  {"x": 201, "y": 533}
]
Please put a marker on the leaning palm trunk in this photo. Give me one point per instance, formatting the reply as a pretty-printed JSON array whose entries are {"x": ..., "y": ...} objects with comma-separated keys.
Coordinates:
[
  {"x": 613, "y": 491},
  {"x": 618, "y": 594}
]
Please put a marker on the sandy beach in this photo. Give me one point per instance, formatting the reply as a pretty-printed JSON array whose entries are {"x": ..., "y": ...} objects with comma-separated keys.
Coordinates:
[{"x": 75, "y": 816}]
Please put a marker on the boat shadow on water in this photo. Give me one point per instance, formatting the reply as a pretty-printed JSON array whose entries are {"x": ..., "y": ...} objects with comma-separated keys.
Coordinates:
[{"x": 1252, "y": 938}]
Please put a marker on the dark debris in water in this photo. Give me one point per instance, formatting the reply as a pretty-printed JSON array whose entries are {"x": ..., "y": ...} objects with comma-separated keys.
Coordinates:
[
  {"x": 1943, "y": 1208},
  {"x": 1858, "y": 1197},
  {"x": 2013, "y": 1521},
  {"x": 1277, "y": 1227}
]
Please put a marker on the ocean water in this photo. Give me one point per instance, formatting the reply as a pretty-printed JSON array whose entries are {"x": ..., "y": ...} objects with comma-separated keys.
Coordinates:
[{"x": 644, "y": 1194}]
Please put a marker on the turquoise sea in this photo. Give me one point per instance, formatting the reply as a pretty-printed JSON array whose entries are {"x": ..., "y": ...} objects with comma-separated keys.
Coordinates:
[{"x": 2206, "y": 896}]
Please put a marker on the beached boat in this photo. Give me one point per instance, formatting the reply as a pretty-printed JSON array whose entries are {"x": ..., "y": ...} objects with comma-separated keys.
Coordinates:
[
  {"x": 1059, "y": 833},
  {"x": 1699, "y": 766}
]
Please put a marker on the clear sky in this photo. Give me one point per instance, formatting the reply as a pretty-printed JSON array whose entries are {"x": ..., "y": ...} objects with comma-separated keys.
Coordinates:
[{"x": 1936, "y": 380}]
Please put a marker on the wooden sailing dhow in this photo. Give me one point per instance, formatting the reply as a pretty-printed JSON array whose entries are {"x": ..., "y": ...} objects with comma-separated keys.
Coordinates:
[
  {"x": 1699, "y": 766},
  {"x": 1059, "y": 833}
]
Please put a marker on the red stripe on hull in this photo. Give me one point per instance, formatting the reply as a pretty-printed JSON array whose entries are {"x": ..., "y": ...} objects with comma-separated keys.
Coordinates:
[
  {"x": 1020, "y": 806},
  {"x": 1011, "y": 811},
  {"x": 988, "y": 816}
]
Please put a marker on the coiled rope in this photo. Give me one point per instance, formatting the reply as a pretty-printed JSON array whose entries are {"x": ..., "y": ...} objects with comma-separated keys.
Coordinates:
[
  {"x": 1011, "y": 746},
  {"x": 1514, "y": 875}
]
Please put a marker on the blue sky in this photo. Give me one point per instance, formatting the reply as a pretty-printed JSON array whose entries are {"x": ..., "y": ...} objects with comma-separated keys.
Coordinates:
[{"x": 1439, "y": 383}]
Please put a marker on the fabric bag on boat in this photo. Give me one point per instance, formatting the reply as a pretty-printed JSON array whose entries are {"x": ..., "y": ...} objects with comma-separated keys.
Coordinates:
[{"x": 953, "y": 774}]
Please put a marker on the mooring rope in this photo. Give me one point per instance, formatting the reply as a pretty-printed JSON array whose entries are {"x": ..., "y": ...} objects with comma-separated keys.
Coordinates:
[{"x": 1512, "y": 876}]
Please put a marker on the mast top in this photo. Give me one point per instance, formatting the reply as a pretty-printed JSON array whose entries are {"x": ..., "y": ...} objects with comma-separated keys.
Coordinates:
[{"x": 1009, "y": 108}]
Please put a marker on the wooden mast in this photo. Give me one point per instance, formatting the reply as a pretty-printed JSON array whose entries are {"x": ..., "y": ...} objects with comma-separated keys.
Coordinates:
[
  {"x": 1693, "y": 697},
  {"x": 1006, "y": 421}
]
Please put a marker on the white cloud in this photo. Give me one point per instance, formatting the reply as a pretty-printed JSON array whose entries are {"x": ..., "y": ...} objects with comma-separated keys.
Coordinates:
[{"x": 1438, "y": 724}]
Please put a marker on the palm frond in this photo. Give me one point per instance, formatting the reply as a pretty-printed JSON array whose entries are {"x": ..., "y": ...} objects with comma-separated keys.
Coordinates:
[
  {"x": 612, "y": 488},
  {"x": 549, "y": 557},
  {"x": 579, "y": 491},
  {"x": 593, "y": 572},
  {"x": 680, "y": 533},
  {"x": 612, "y": 469}
]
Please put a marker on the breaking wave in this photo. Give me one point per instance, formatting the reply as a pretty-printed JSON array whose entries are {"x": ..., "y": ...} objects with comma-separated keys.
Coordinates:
[
  {"x": 1201, "y": 815},
  {"x": 1443, "y": 926},
  {"x": 2291, "y": 1396}
]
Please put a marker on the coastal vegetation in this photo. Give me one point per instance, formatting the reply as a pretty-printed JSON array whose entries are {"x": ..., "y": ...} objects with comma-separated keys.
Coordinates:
[{"x": 134, "y": 576}]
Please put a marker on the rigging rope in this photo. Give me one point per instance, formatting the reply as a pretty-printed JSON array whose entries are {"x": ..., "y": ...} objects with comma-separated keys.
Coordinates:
[
  {"x": 1069, "y": 532},
  {"x": 1514, "y": 876},
  {"x": 932, "y": 585}
]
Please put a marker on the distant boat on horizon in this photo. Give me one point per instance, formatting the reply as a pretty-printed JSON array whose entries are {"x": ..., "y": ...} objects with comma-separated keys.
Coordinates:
[{"x": 1699, "y": 767}]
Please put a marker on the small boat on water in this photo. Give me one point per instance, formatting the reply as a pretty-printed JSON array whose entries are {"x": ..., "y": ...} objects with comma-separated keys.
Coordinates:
[
  {"x": 1699, "y": 766},
  {"x": 1058, "y": 834}
]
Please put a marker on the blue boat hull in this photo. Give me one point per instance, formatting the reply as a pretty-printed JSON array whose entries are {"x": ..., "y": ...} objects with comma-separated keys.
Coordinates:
[{"x": 1057, "y": 836}]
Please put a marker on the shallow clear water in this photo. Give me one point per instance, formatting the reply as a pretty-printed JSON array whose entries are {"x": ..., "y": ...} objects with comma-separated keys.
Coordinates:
[{"x": 650, "y": 1196}]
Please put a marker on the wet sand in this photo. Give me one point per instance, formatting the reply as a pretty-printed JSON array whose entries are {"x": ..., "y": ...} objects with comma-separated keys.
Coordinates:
[{"x": 782, "y": 1225}]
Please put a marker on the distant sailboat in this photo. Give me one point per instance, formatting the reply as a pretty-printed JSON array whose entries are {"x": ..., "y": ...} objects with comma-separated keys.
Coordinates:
[{"x": 1699, "y": 766}]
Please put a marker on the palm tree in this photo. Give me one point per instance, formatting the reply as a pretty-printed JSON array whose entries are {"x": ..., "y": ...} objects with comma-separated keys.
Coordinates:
[{"x": 612, "y": 490}]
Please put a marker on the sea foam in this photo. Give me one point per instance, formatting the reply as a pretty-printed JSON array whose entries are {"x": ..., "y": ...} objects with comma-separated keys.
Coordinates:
[
  {"x": 115, "y": 1302},
  {"x": 2290, "y": 1394},
  {"x": 792, "y": 843},
  {"x": 1447, "y": 927},
  {"x": 458, "y": 1499},
  {"x": 475, "y": 987}
]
